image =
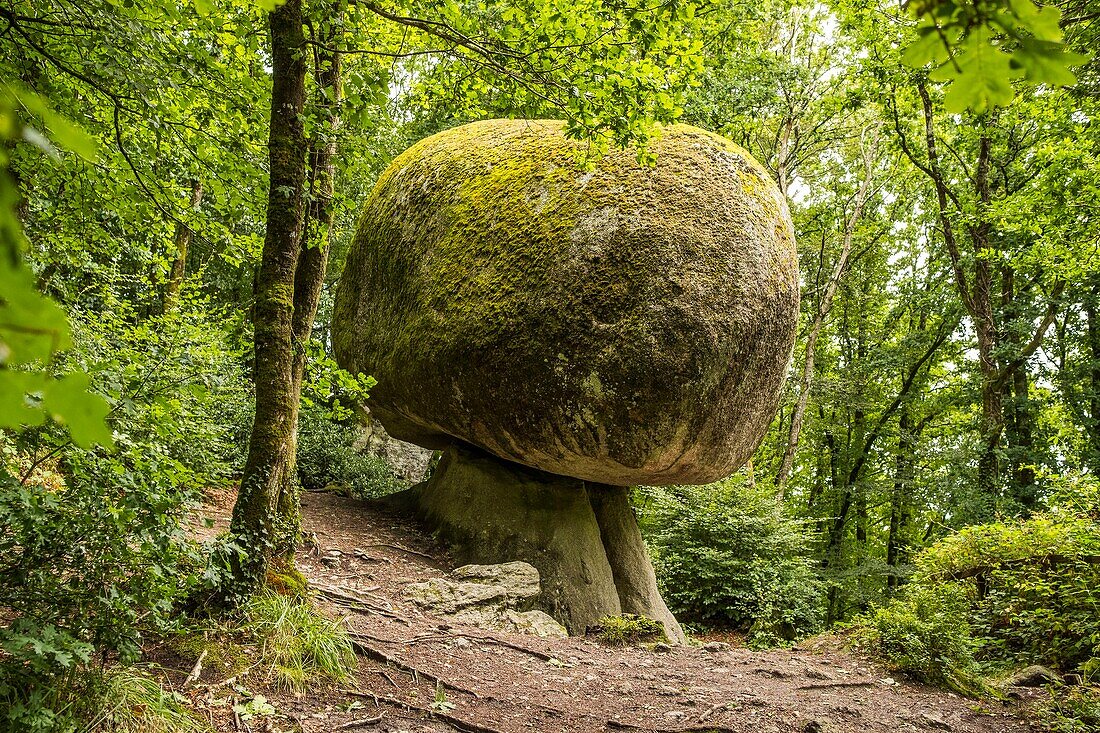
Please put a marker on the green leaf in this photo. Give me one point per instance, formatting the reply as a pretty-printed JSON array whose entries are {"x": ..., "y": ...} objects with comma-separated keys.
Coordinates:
[
  {"x": 929, "y": 48},
  {"x": 65, "y": 134},
  {"x": 32, "y": 327},
  {"x": 1044, "y": 62},
  {"x": 983, "y": 79},
  {"x": 70, "y": 402},
  {"x": 16, "y": 410}
]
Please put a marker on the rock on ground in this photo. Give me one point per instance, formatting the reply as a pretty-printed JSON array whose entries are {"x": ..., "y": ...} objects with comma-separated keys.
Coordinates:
[{"x": 488, "y": 596}]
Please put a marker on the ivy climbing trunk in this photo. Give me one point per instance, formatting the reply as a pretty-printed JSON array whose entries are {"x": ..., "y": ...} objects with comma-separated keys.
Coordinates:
[{"x": 261, "y": 522}]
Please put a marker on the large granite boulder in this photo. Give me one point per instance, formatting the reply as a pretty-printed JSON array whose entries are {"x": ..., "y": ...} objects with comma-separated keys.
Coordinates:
[{"x": 625, "y": 324}]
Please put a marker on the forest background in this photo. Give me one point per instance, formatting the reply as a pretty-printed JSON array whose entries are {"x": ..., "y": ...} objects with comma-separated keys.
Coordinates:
[{"x": 170, "y": 250}]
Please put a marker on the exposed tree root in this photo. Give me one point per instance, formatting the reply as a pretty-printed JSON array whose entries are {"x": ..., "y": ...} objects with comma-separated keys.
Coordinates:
[
  {"x": 827, "y": 685},
  {"x": 379, "y": 656},
  {"x": 459, "y": 723}
]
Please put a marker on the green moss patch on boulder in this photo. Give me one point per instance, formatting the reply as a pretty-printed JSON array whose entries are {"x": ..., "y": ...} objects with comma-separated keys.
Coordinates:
[{"x": 623, "y": 325}]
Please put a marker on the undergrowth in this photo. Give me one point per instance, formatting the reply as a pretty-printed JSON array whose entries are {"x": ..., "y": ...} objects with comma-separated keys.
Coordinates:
[
  {"x": 328, "y": 457},
  {"x": 133, "y": 702},
  {"x": 1072, "y": 710},
  {"x": 119, "y": 699},
  {"x": 926, "y": 636}
]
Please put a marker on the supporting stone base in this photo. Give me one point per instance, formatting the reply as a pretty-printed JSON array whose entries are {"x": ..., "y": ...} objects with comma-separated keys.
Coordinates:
[{"x": 582, "y": 537}]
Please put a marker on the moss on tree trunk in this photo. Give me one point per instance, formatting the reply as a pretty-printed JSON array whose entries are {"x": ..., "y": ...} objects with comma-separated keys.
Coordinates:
[{"x": 266, "y": 516}]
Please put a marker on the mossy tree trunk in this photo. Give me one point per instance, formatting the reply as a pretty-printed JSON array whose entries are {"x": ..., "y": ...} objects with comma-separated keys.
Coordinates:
[
  {"x": 265, "y": 519},
  {"x": 267, "y": 515}
]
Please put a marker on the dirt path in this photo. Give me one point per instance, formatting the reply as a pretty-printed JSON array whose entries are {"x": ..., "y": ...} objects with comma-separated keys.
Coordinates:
[{"x": 503, "y": 683}]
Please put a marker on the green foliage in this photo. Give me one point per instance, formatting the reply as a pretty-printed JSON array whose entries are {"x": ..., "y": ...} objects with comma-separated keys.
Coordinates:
[
  {"x": 118, "y": 699},
  {"x": 327, "y": 456},
  {"x": 927, "y": 636},
  {"x": 1001, "y": 595},
  {"x": 95, "y": 554},
  {"x": 133, "y": 702},
  {"x": 33, "y": 329},
  {"x": 298, "y": 645},
  {"x": 1071, "y": 710},
  {"x": 726, "y": 555},
  {"x": 1034, "y": 585},
  {"x": 628, "y": 628},
  {"x": 980, "y": 46}
]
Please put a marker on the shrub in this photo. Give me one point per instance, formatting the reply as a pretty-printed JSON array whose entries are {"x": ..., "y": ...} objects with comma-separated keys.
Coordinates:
[
  {"x": 726, "y": 555},
  {"x": 926, "y": 635},
  {"x": 1034, "y": 587},
  {"x": 327, "y": 455},
  {"x": 93, "y": 553},
  {"x": 1073, "y": 710}
]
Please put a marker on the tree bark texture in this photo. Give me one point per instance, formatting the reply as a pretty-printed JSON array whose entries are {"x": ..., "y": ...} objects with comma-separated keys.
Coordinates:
[{"x": 269, "y": 472}]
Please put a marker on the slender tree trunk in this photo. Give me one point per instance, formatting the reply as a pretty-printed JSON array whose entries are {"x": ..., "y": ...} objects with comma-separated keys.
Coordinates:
[
  {"x": 182, "y": 241},
  {"x": 313, "y": 258},
  {"x": 985, "y": 323},
  {"x": 897, "y": 551},
  {"x": 825, "y": 304},
  {"x": 1092, "y": 316},
  {"x": 269, "y": 471}
]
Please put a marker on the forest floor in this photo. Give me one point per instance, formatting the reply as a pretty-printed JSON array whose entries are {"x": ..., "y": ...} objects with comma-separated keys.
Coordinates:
[{"x": 484, "y": 682}]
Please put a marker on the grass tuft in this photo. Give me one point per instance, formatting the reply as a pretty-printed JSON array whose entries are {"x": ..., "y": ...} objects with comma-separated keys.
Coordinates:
[
  {"x": 628, "y": 629},
  {"x": 297, "y": 643},
  {"x": 130, "y": 701}
]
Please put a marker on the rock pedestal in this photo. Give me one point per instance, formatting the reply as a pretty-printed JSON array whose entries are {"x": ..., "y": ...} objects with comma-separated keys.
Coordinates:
[{"x": 582, "y": 537}]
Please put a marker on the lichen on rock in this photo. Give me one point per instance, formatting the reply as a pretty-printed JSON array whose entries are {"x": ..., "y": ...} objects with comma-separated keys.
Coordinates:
[{"x": 625, "y": 324}]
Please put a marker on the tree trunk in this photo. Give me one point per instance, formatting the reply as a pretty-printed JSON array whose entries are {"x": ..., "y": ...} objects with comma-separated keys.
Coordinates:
[
  {"x": 1092, "y": 300},
  {"x": 269, "y": 471},
  {"x": 897, "y": 551},
  {"x": 309, "y": 276},
  {"x": 182, "y": 246}
]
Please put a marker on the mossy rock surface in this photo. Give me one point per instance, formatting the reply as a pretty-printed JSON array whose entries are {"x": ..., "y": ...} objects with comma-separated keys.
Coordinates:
[{"x": 624, "y": 325}]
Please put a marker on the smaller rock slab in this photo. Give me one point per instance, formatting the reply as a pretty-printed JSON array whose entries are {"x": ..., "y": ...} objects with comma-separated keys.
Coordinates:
[{"x": 493, "y": 597}]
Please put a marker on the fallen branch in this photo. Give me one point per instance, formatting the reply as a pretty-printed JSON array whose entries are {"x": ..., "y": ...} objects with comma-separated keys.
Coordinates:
[
  {"x": 827, "y": 685},
  {"x": 360, "y": 723},
  {"x": 196, "y": 670}
]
